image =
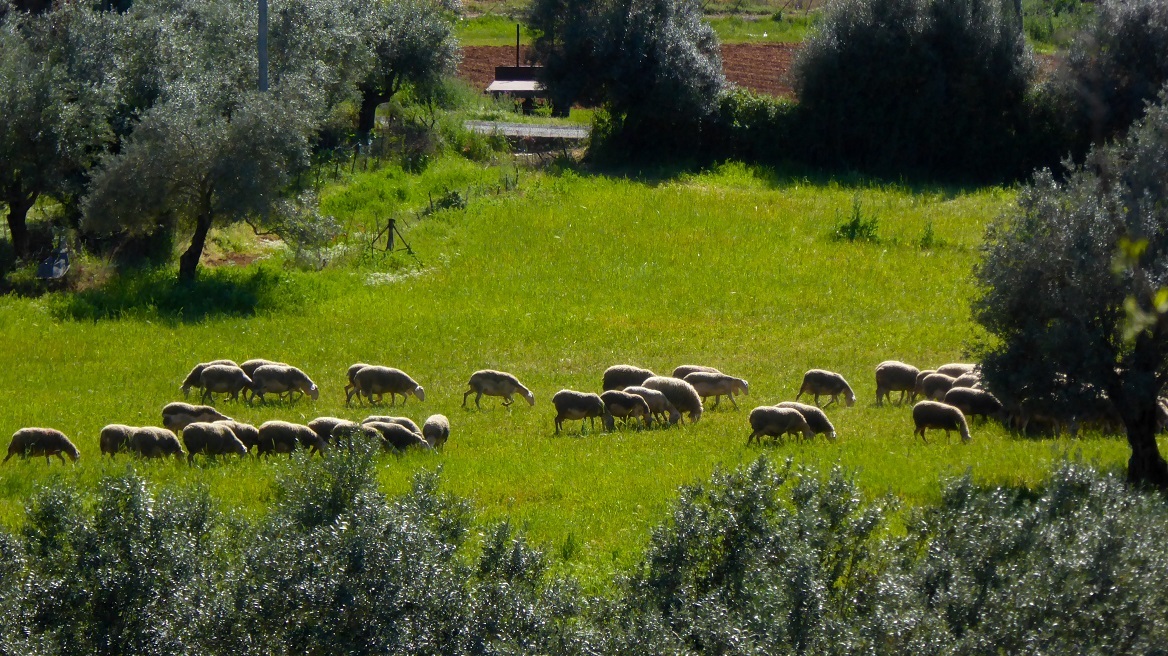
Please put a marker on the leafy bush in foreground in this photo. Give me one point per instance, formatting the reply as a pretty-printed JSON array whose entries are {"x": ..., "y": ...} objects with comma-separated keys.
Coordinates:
[{"x": 763, "y": 560}]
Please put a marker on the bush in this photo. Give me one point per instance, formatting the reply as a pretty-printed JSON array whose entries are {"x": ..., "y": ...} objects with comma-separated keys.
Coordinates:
[
  {"x": 932, "y": 87},
  {"x": 1115, "y": 67}
]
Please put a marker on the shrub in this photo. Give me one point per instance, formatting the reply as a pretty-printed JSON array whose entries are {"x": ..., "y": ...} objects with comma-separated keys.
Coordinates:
[
  {"x": 934, "y": 87},
  {"x": 1115, "y": 67}
]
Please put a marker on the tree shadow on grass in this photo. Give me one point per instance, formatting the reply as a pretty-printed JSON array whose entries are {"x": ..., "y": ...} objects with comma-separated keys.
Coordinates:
[{"x": 157, "y": 294}]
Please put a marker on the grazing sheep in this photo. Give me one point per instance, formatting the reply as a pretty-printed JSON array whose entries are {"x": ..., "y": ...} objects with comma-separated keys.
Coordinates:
[
  {"x": 624, "y": 375},
  {"x": 919, "y": 386},
  {"x": 395, "y": 437},
  {"x": 194, "y": 379},
  {"x": 816, "y": 419},
  {"x": 436, "y": 430},
  {"x": 577, "y": 405},
  {"x": 681, "y": 394},
  {"x": 223, "y": 379},
  {"x": 211, "y": 439},
  {"x": 250, "y": 366},
  {"x": 176, "y": 416},
  {"x": 113, "y": 437},
  {"x": 974, "y": 402},
  {"x": 956, "y": 369},
  {"x": 248, "y": 434},
  {"x": 717, "y": 385},
  {"x": 350, "y": 374},
  {"x": 933, "y": 414},
  {"x": 284, "y": 437},
  {"x": 282, "y": 378},
  {"x": 819, "y": 382},
  {"x": 659, "y": 404},
  {"x": 379, "y": 380},
  {"x": 346, "y": 430},
  {"x": 895, "y": 376},
  {"x": 385, "y": 419},
  {"x": 687, "y": 369},
  {"x": 777, "y": 422},
  {"x": 935, "y": 385},
  {"x": 622, "y": 405},
  {"x": 496, "y": 383},
  {"x": 47, "y": 442},
  {"x": 971, "y": 381},
  {"x": 324, "y": 427},
  {"x": 154, "y": 442}
]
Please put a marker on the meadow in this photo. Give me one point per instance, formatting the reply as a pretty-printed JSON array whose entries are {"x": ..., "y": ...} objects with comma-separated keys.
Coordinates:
[{"x": 552, "y": 275}]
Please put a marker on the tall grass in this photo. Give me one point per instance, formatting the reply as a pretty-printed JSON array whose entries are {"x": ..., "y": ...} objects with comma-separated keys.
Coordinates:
[{"x": 555, "y": 281}]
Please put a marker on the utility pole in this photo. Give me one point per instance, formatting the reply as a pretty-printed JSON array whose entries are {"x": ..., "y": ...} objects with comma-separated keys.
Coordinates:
[{"x": 262, "y": 45}]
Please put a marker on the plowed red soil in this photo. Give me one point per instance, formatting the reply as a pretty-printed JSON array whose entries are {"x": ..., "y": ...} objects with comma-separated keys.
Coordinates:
[{"x": 762, "y": 67}]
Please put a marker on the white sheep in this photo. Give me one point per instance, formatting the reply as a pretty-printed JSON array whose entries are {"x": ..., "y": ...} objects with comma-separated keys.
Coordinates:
[
  {"x": 436, "y": 430},
  {"x": 496, "y": 383},
  {"x": 386, "y": 419},
  {"x": 816, "y": 418},
  {"x": 395, "y": 437},
  {"x": 687, "y": 369},
  {"x": 974, "y": 402},
  {"x": 895, "y": 376},
  {"x": 350, "y": 374},
  {"x": 935, "y": 385},
  {"x": 659, "y": 404},
  {"x": 819, "y": 382},
  {"x": 933, "y": 414},
  {"x": 281, "y": 378},
  {"x": 211, "y": 439},
  {"x": 176, "y": 416},
  {"x": 777, "y": 422},
  {"x": 285, "y": 437},
  {"x": 225, "y": 379},
  {"x": 681, "y": 394},
  {"x": 154, "y": 442},
  {"x": 717, "y": 385},
  {"x": 47, "y": 442},
  {"x": 380, "y": 380},
  {"x": 194, "y": 379},
  {"x": 621, "y": 376},
  {"x": 574, "y": 405},
  {"x": 114, "y": 437},
  {"x": 623, "y": 405},
  {"x": 956, "y": 369}
]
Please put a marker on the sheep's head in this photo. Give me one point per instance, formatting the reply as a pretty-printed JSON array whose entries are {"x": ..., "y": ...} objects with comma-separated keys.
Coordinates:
[
  {"x": 529, "y": 396},
  {"x": 314, "y": 392},
  {"x": 420, "y": 393},
  {"x": 850, "y": 398},
  {"x": 72, "y": 452},
  {"x": 743, "y": 386}
]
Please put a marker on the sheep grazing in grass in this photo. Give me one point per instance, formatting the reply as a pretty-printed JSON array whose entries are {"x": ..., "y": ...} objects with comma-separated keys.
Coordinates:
[
  {"x": 818, "y": 382},
  {"x": 776, "y": 422},
  {"x": 47, "y": 442},
  {"x": 154, "y": 442},
  {"x": 956, "y": 369},
  {"x": 919, "y": 386},
  {"x": 624, "y": 375},
  {"x": 223, "y": 379},
  {"x": 971, "y": 381},
  {"x": 687, "y": 369},
  {"x": 194, "y": 379},
  {"x": 250, "y": 366},
  {"x": 935, "y": 385},
  {"x": 571, "y": 404},
  {"x": 933, "y": 414},
  {"x": 974, "y": 402},
  {"x": 351, "y": 374},
  {"x": 176, "y": 416},
  {"x": 210, "y": 439},
  {"x": 717, "y": 385},
  {"x": 386, "y": 419},
  {"x": 659, "y": 404},
  {"x": 114, "y": 437},
  {"x": 395, "y": 437},
  {"x": 248, "y": 434},
  {"x": 380, "y": 380},
  {"x": 346, "y": 431},
  {"x": 625, "y": 405},
  {"x": 285, "y": 437},
  {"x": 281, "y": 378},
  {"x": 436, "y": 431},
  {"x": 894, "y": 376},
  {"x": 496, "y": 383},
  {"x": 816, "y": 419},
  {"x": 681, "y": 394},
  {"x": 323, "y": 426}
]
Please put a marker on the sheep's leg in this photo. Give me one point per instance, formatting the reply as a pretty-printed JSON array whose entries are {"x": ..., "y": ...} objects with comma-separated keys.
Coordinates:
[
  {"x": 61, "y": 456},
  {"x": 349, "y": 395},
  {"x": 732, "y": 402},
  {"x": 717, "y": 400},
  {"x": 466, "y": 394},
  {"x": 833, "y": 400},
  {"x": 477, "y": 398},
  {"x": 559, "y": 423},
  {"x": 753, "y": 436},
  {"x": 508, "y": 400}
]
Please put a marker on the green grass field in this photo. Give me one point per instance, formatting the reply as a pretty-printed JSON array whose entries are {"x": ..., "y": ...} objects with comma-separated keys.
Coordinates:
[
  {"x": 554, "y": 282},
  {"x": 499, "y": 30}
]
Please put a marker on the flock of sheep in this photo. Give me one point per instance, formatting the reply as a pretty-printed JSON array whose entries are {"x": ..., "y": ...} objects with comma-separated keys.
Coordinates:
[{"x": 629, "y": 393}]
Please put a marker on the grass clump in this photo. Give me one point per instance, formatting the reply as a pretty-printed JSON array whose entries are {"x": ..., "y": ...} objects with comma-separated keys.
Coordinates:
[{"x": 858, "y": 227}]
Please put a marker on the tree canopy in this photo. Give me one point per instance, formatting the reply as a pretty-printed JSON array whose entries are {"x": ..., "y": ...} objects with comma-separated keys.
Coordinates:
[{"x": 1061, "y": 275}]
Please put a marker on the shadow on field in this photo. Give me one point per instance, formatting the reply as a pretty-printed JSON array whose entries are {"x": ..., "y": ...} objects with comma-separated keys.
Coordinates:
[{"x": 158, "y": 294}]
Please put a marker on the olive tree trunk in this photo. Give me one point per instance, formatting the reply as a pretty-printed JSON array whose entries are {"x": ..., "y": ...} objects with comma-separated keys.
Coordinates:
[
  {"x": 1146, "y": 465},
  {"x": 19, "y": 203},
  {"x": 188, "y": 262}
]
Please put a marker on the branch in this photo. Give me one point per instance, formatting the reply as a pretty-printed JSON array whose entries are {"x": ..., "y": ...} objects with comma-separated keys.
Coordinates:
[{"x": 260, "y": 233}]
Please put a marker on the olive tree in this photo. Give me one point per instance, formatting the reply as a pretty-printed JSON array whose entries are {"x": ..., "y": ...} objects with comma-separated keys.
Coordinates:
[
  {"x": 55, "y": 96},
  {"x": 1056, "y": 303},
  {"x": 655, "y": 63},
  {"x": 187, "y": 162}
]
